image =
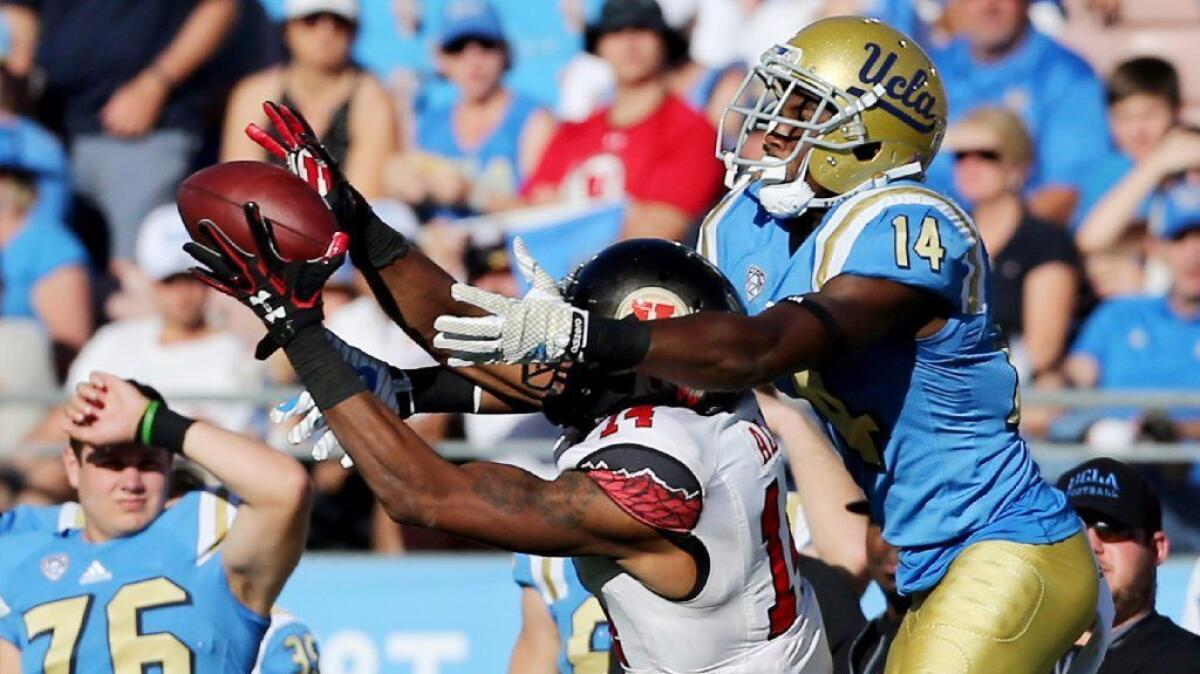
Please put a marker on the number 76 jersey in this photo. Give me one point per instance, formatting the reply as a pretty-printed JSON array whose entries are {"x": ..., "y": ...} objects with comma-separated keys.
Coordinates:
[
  {"x": 714, "y": 485},
  {"x": 928, "y": 427},
  {"x": 155, "y": 602}
]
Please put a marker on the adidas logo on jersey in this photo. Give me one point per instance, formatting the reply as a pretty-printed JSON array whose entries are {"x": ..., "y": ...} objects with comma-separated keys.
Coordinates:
[{"x": 95, "y": 573}]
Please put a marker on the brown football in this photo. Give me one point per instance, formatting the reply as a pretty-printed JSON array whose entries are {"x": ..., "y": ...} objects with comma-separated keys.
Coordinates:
[{"x": 299, "y": 218}]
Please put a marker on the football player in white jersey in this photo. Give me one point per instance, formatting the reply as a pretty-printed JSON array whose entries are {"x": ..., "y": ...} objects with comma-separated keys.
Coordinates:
[{"x": 670, "y": 501}]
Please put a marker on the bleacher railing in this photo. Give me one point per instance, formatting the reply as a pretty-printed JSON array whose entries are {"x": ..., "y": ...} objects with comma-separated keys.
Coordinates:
[{"x": 1067, "y": 399}]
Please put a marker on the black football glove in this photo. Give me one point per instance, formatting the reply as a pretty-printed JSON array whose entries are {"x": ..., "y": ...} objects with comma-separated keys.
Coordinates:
[
  {"x": 285, "y": 294},
  {"x": 373, "y": 243}
]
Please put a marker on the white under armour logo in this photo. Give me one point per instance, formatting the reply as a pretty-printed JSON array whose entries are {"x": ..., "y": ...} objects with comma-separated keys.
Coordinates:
[{"x": 272, "y": 315}]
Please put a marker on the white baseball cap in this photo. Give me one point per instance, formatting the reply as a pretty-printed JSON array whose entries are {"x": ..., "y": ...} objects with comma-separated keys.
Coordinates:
[
  {"x": 160, "y": 244},
  {"x": 294, "y": 9}
]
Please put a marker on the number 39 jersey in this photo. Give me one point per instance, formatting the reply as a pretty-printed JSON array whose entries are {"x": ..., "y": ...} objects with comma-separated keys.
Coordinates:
[
  {"x": 715, "y": 485},
  {"x": 157, "y": 601},
  {"x": 583, "y": 635},
  {"x": 928, "y": 427}
]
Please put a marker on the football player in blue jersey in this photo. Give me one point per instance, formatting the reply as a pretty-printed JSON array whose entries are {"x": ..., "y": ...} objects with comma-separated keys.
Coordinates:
[
  {"x": 563, "y": 626},
  {"x": 868, "y": 295},
  {"x": 136, "y": 585},
  {"x": 288, "y": 647}
]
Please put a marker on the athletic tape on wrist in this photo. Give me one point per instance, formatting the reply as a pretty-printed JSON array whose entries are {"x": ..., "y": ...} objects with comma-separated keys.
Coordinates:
[{"x": 327, "y": 377}]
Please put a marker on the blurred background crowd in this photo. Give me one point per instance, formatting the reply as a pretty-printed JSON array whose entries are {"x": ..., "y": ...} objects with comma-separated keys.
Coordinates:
[{"x": 464, "y": 120}]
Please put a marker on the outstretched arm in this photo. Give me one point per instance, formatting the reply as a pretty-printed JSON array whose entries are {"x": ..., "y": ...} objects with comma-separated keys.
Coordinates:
[
  {"x": 723, "y": 351},
  {"x": 493, "y": 503},
  {"x": 411, "y": 288}
]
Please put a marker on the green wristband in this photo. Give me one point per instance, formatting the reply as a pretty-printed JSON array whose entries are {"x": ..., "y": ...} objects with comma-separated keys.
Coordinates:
[
  {"x": 147, "y": 423},
  {"x": 163, "y": 427}
]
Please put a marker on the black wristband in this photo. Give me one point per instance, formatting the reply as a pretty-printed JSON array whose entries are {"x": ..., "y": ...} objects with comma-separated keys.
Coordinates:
[
  {"x": 441, "y": 390},
  {"x": 327, "y": 377},
  {"x": 616, "y": 344},
  {"x": 384, "y": 245},
  {"x": 160, "y": 426},
  {"x": 374, "y": 244},
  {"x": 832, "y": 330}
]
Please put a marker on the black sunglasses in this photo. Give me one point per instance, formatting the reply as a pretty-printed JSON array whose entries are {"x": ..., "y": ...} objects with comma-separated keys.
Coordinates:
[
  {"x": 1111, "y": 532},
  {"x": 315, "y": 18},
  {"x": 455, "y": 47},
  {"x": 986, "y": 155}
]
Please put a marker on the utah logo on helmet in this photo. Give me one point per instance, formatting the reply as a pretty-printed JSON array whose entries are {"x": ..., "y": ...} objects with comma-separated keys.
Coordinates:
[{"x": 885, "y": 102}]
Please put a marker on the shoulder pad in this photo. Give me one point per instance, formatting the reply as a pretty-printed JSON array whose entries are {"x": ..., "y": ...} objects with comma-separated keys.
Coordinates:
[
  {"x": 907, "y": 233},
  {"x": 200, "y": 520},
  {"x": 647, "y": 460}
]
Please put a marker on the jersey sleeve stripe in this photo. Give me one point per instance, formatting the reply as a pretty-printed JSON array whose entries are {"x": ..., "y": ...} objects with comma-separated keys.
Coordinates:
[
  {"x": 215, "y": 518},
  {"x": 558, "y": 576},
  {"x": 541, "y": 579},
  {"x": 707, "y": 243},
  {"x": 70, "y": 516},
  {"x": 827, "y": 239}
]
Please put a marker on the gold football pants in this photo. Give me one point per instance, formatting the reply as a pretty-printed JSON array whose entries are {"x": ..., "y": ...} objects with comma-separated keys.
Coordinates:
[{"x": 1002, "y": 607}]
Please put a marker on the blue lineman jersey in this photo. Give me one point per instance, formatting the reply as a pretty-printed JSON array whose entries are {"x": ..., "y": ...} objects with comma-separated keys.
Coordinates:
[
  {"x": 928, "y": 427},
  {"x": 582, "y": 626},
  {"x": 156, "y": 602}
]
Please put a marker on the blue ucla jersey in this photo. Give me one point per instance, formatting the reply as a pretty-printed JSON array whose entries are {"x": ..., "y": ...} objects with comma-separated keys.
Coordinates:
[
  {"x": 288, "y": 647},
  {"x": 156, "y": 602},
  {"x": 928, "y": 427},
  {"x": 582, "y": 626}
]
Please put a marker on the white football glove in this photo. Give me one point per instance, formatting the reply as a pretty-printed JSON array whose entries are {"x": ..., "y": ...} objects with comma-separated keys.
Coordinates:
[
  {"x": 387, "y": 384},
  {"x": 541, "y": 327}
]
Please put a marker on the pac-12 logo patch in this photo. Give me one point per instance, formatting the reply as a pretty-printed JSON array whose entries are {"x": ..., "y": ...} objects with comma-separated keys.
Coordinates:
[
  {"x": 55, "y": 566},
  {"x": 755, "y": 280}
]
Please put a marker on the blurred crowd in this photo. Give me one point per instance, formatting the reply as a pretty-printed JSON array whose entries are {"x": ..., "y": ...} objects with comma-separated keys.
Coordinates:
[{"x": 1079, "y": 167}]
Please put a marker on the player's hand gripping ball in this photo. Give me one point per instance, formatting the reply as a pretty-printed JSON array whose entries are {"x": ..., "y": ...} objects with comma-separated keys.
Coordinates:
[{"x": 285, "y": 294}]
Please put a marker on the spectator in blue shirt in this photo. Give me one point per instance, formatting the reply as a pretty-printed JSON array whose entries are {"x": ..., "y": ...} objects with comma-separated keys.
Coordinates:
[
  {"x": 473, "y": 153},
  {"x": 43, "y": 273},
  {"x": 1146, "y": 342},
  {"x": 1144, "y": 104},
  {"x": 1001, "y": 60},
  {"x": 26, "y": 144}
]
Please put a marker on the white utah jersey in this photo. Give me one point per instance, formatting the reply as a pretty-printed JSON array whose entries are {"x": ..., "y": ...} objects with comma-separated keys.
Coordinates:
[{"x": 716, "y": 485}]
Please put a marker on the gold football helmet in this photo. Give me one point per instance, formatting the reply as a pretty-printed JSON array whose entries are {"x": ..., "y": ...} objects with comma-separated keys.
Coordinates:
[{"x": 884, "y": 99}]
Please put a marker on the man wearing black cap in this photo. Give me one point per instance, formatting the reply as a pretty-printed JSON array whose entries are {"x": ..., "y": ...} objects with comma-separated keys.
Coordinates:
[
  {"x": 648, "y": 146},
  {"x": 1124, "y": 524}
]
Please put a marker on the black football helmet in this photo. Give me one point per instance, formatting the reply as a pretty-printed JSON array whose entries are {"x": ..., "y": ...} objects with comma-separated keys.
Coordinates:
[{"x": 638, "y": 279}]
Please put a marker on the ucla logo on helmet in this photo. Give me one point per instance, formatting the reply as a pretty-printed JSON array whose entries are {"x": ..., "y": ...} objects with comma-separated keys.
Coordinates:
[{"x": 907, "y": 99}]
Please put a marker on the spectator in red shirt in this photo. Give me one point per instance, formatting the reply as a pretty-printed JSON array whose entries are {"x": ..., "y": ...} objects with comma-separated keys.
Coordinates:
[{"x": 648, "y": 146}]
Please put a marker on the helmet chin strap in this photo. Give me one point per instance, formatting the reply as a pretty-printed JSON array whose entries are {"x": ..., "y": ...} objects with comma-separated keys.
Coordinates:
[{"x": 792, "y": 199}]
